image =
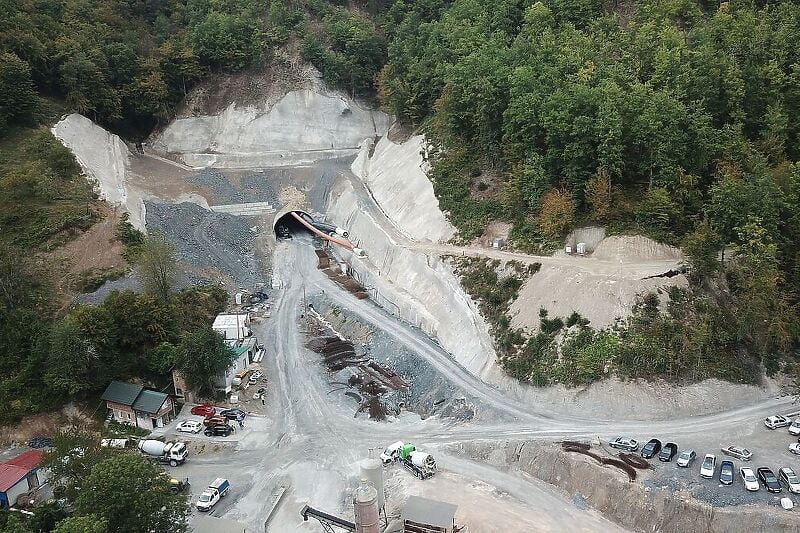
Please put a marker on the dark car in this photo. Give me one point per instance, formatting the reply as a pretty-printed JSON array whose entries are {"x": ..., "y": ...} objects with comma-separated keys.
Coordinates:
[
  {"x": 218, "y": 431},
  {"x": 283, "y": 232},
  {"x": 650, "y": 449},
  {"x": 726, "y": 472},
  {"x": 668, "y": 452},
  {"x": 233, "y": 414},
  {"x": 769, "y": 480}
]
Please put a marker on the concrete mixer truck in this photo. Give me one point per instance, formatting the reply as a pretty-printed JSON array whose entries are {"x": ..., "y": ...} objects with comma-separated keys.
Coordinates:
[
  {"x": 421, "y": 464},
  {"x": 171, "y": 453}
]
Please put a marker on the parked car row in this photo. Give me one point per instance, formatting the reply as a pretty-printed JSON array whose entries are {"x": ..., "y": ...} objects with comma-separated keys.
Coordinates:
[
  {"x": 708, "y": 468},
  {"x": 213, "y": 424}
]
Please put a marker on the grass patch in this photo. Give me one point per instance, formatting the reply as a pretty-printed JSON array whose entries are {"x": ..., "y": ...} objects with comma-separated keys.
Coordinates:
[
  {"x": 44, "y": 200},
  {"x": 92, "y": 279}
]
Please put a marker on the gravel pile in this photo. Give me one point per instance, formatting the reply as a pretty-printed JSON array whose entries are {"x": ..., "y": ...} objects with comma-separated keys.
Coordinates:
[
  {"x": 255, "y": 186},
  {"x": 205, "y": 239}
]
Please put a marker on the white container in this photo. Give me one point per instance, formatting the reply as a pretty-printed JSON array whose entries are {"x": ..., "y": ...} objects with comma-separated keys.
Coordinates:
[
  {"x": 568, "y": 249},
  {"x": 238, "y": 298},
  {"x": 234, "y": 398},
  {"x": 581, "y": 248}
]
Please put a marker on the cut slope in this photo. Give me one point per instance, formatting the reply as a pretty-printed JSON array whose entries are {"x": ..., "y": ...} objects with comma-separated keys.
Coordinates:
[
  {"x": 104, "y": 157},
  {"x": 301, "y": 127},
  {"x": 419, "y": 288},
  {"x": 395, "y": 175}
]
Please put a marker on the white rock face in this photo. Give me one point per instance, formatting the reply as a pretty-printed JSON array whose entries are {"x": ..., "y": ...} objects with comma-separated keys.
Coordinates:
[
  {"x": 302, "y": 127},
  {"x": 104, "y": 157},
  {"x": 396, "y": 177},
  {"x": 421, "y": 289}
]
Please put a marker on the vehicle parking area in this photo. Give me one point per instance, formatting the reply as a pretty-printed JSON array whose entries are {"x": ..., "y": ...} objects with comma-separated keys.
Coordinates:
[
  {"x": 252, "y": 425},
  {"x": 770, "y": 448}
]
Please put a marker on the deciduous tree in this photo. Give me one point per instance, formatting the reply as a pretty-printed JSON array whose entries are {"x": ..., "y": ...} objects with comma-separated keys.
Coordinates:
[
  {"x": 132, "y": 495},
  {"x": 202, "y": 356}
]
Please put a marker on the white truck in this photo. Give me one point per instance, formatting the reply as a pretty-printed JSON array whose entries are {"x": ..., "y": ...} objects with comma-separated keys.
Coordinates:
[
  {"x": 215, "y": 491},
  {"x": 171, "y": 453}
]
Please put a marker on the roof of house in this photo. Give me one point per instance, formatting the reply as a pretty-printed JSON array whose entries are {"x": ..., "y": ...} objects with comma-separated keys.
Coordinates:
[
  {"x": 13, "y": 470},
  {"x": 429, "y": 512},
  {"x": 149, "y": 401},
  {"x": 122, "y": 393},
  {"x": 224, "y": 321},
  {"x": 29, "y": 459},
  {"x": 10, "y": 476}
]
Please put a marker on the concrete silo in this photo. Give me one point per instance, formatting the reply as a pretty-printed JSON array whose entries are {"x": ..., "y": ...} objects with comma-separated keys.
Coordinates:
[{"x": 365, "y": 503}]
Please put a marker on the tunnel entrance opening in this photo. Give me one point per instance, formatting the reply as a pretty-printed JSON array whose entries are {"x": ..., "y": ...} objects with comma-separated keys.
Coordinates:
[{"x": 287, "y": 225}]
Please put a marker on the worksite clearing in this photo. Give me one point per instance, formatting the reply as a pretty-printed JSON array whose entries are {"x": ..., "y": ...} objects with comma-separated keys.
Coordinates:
[{"x": 371, "y": 338}]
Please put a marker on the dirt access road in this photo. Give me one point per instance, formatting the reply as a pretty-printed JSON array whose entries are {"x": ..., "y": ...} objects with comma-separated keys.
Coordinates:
[{"x": 312, "y": 443}]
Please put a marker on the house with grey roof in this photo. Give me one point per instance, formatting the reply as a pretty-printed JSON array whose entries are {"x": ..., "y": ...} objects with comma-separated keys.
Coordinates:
[{"x": 134, "y": 405}]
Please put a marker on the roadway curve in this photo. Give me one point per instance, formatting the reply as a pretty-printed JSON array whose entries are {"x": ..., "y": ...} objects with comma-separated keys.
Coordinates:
[{"x": 314, "y": 434}]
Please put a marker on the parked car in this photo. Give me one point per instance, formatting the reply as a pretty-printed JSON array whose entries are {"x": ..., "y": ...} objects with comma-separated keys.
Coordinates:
[
  {"x": 767, "y": 477},
  {"x": 787, "y": 476},
  {"x": 221, "y": 430},
  {"x": 233, "y": 414},
  {"x": 777, "y": 421},
  {"x": 708, "y": 466},
  {"x": 203, "y": 410},
  {"x": 686, "y": 458},
  {"x": 216, "y": 420},
  {"x": 726, "y": 472},
  {"x": 794, "y": 448},
  {"x": 748, "y": 479},
  {"x": 738, "y": 452},
  {"x": 668, "y": 452},
  {"x": 624, "y": 443},
  {"x": 283, "y": 232},
  {"x": 652, "y": 447},
  {"x": 189, "y": 426},
  {"x": 794, "y": 427}
]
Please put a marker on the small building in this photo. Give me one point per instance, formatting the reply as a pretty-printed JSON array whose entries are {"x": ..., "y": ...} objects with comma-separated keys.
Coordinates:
[
  {"x": 232, "y": 326},
  {"x": 136, "y": 406},
  {"x": 422, "y": 515},
  {"x": 245, "y": 351},
  {"x": 21, "y": 475}
]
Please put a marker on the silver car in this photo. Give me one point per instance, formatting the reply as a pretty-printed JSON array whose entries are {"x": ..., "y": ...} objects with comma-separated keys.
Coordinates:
[
  {"x": 624, "y": 443},
  {"x": 737, "y": 451},
  {"x": 686, "y": 458},
  {"x": 789, "y": 478}
]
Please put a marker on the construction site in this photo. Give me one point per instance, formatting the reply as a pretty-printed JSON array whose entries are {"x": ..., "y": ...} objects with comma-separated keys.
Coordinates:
[{"x": 386, "y": 408}]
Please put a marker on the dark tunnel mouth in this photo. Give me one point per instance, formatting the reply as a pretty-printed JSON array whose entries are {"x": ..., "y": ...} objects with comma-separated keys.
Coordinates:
[{"x": 292, "y": 224}]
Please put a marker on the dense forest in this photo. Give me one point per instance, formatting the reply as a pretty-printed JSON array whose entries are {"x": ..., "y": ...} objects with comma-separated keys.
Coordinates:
[{"x": 678, "y": 119}]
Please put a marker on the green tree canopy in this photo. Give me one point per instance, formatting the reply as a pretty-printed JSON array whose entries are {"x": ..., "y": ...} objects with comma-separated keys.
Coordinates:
[
  {"x": 18, "y": 98},
  {"x": 202, "y": 356},
  {"x": 132, "y": 495},
  {"x": 82, "y": 524}
]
